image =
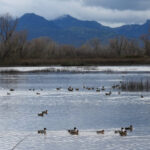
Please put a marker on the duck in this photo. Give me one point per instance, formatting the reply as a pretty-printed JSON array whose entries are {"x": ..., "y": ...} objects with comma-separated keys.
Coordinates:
[
  {"x": 77, "y": 89},
  {"x": 123, "y": 133},
  {"x": 97, "y": 90},
  {"x": 103, "y": 88},
  {"x": 45, "y": 112},
  {"x": 142, "y": 96},
  {"x": 8, "y": 93},
  {"x": 42, "y": 131},
  {"x": 74, "y": 131},
  {"x": 130, "y": 128},
  {"x": 108, "y": 94},
  {"x": 118, "y": 131},
  {"x": 41, "y": 114},
  {"x": 100, "y": 132},
  {"x": 70, "y": 89},
  {"x": 12, "y": 90}
]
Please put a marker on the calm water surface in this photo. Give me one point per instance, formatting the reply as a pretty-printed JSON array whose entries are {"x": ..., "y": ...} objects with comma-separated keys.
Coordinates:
[{"x": 87, "y": 110}]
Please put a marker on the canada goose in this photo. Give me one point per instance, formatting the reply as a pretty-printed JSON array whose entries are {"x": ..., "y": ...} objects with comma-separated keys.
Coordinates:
[
  {"x": 41, "y": 114},
  {"x": 37, "y": 93},
  {"x": 100, "y": 132},
  {"x": 73, "y": 131},
  {"x": 77, "y": 89},
  {"x": 142, "y": 96}
]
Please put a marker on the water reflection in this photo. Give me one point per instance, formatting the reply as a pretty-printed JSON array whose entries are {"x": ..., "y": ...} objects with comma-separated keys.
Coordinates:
[{"x": 88, "y": 110}]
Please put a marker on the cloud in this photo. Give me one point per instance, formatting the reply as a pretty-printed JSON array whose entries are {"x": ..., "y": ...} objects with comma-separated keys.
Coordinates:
[
  {"x": 99, "y": 10},
  {"x": 120, "y": 4}
]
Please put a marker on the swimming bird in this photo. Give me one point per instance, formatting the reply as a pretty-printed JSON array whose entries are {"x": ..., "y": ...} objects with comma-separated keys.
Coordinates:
[
  {"x": 45, "y": 112},
  {"x": 100, "y": 132},
  {"x": 41, "y": 114},
  {"x": 108, "y": 94},
  {"x": 74, "y": 131},
  {"x": 97, "y": 90},
  {"x": 12, "y": 90},
  {"x": 123, "y": 133},
  {"x": 42, "y": 131},
  {"x": 129, "y": 128},
  {"x": 70, "y": 89}
]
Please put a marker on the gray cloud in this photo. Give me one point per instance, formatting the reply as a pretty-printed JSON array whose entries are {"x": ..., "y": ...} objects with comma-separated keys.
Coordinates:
[
  {"x": 81, "y": 9},
  {"x": 120, "y": 4}
]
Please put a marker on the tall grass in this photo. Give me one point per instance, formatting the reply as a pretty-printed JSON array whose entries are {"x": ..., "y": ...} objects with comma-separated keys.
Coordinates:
[{"x": 130, "y": 85}]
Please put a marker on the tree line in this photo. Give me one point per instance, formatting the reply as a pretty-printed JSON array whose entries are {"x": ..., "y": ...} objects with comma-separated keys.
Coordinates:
[{"x": 14, "y": 46}]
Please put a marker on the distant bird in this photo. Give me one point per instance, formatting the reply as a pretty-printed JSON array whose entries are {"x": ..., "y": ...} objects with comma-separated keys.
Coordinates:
[
  {"x": 45, "y": 112},
  {"x": 74, "y": 131},
  {"x": 70, "y": 89},
  {"x": 100, "y": 132},
  {"x": 142, "y": 96},
  {"x": 8, "y": 93},
  {"x": 103, "y": 88},
  {"x": 108, "y": 94},
  {"x": 97, "y": 90},
  {"x": 58, "y": 89},
  {"x": 42, "y": 131},
  {"x": 41, "y": 114},
  {"x": 129, "y": 128},
  {"x": 12, "y": 90},
  {"x": 123, "y": 133}
]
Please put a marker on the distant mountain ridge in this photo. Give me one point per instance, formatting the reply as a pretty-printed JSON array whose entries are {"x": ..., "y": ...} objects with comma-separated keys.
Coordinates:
[{"x": 69, "y": 30}]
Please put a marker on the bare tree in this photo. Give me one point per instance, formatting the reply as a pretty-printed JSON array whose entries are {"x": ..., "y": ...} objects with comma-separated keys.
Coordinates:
[
  {"x": 146, "y": 40},
  {"x": 7, "y": 29}
]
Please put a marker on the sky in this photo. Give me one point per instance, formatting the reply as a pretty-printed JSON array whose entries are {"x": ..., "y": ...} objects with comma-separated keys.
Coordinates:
[{"x": 107, "y": 12}]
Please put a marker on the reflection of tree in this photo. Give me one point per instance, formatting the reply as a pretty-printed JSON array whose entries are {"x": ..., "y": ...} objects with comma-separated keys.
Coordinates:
[{"x": 9, "y": 80}]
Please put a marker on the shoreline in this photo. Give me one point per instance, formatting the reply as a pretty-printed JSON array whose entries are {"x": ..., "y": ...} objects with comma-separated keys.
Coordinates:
[
  {"x": 77, "y": 69},
  {"x": 77, "y": 62}
]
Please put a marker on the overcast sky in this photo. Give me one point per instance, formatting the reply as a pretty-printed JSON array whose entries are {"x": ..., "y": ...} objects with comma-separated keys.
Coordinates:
[{"x": 108, "y": 12}]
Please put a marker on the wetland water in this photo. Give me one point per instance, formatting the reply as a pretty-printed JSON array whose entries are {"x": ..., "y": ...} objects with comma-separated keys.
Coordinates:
[{"x": 88, "y": 110}]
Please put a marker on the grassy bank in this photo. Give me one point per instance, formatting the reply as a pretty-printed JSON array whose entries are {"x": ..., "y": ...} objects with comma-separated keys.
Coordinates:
[{"x": 77, "y": 62}]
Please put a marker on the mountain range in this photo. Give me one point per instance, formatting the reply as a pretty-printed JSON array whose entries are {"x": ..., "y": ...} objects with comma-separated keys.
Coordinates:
[{"x": 69, "y": 30}]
